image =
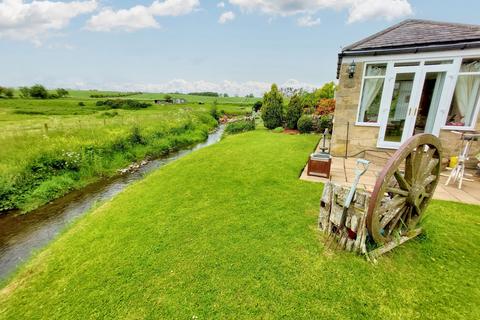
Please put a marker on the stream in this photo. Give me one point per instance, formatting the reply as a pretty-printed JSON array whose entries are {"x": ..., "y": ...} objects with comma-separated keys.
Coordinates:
[{"x": 22, "y": 235}]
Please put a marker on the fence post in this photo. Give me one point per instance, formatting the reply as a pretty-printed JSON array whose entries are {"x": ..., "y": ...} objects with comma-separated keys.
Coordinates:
[{"x": 45, "y": 127}]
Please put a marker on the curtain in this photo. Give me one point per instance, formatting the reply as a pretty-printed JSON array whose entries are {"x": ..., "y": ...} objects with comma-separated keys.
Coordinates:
[
  {"x": 466, "y": 93},
  {"x": 371, "y": 88}
]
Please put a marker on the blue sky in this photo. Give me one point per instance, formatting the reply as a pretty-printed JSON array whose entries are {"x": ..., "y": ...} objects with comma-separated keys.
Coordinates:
[{"x": 185, "y": 45}]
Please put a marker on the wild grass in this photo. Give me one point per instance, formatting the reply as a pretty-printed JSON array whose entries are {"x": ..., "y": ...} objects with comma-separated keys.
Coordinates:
[
  {"x": 229, "y": 232},
  {"x": 50, "y": 147}
]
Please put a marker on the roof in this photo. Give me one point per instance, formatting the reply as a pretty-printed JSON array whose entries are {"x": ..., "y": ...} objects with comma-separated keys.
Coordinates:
[
  {"x": 418, "y": 33},
  {"x": 414, "y": 35}
]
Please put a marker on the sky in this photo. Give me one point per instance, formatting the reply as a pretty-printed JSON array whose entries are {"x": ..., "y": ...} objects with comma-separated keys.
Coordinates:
[{"x": 233, "y": 46}]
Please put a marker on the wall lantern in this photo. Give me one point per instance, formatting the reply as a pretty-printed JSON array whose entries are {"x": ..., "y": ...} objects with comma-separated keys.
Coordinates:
[{"x": 351, "y": 69}]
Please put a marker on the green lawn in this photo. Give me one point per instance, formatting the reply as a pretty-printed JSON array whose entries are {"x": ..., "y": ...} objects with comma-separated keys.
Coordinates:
[{"x": 229, "y": 232}]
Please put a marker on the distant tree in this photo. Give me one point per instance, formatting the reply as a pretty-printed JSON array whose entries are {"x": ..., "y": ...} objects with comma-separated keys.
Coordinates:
[
  {"x": 272, "y": 108},
  {"x": 168, "y": 98},
  {"x": 249, "y": 95},
  {"x": 225, "y": 95},
  {"x": 327, "y": 91},
  {"x": 62, "y": 92},
  {"x": 294, "y": 111},
  {"x": 24, "y": 92},
  {"x": 8, "y": 92},
  {"x": 38, "y": 91}
]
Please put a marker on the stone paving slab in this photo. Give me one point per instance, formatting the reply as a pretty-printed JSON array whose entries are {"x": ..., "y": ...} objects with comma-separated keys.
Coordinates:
[{"x": 343, "y": 172}]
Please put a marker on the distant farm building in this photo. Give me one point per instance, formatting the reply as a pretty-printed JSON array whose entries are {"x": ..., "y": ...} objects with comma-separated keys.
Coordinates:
[{"x": 170, "y": 101}]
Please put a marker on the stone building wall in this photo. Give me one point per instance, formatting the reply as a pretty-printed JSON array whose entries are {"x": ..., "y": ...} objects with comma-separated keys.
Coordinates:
[{"x": 365, "y": 138}]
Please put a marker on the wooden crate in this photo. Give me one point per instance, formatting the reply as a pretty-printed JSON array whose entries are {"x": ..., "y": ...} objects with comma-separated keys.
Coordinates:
[{"x": 319, "y": 166}]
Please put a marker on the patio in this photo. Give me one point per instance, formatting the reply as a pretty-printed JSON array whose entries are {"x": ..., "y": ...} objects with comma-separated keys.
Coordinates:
[{"x": 342, "y": 172}]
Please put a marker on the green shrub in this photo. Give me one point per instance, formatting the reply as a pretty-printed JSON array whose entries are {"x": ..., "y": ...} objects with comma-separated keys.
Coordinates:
[
  {"x": 6, "y": 92},
  {"x": 278, "y": 130},
  {"x": 127, "y": 104},
  {"x": 214, "y": 112},
  {"x": 305, "y": 124},
  {"x": 81, "y": 104},
  {"x": 257, "y": 106},
  {"x": 240, "y": 126},
  {"x": 62, "y": 92},
  {"x": 324, "y": 122},
  {"x": 24, "y": 92},
  {"x": 272, "y": 108},
  {"x": 136, "y": 137},
  {"x": 294, "y": 112},
  {"x": 38, "y": 91}
]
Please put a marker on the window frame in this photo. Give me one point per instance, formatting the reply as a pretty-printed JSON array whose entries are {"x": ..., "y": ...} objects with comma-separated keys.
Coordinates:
[
  {"x": 477, "y": 106},
  {"x": 365, "y": 77}
]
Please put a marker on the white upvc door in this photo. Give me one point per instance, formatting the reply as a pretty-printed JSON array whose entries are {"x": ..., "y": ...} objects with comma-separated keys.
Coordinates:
[
  {"x": 396, "y": 110},
  {"x": 399, "y": 110}
]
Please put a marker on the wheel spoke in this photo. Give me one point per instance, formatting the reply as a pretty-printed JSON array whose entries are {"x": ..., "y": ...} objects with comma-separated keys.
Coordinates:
[
  {"x": 397, "y": 191},
  {"x": 394, "y": 222},
  {"x": 392, "y": 209},
  {"x": 430, "y": 166},
  {"x": 402, "y": 182},
  {"x": 429, "y": 180},
  {"x": 410, "y": 167}
]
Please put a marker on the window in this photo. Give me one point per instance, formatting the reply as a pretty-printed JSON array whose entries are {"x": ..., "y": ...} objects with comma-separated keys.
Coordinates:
[
  {"x": 466, "y": 95},
  {"x": 373, "y": 81}
]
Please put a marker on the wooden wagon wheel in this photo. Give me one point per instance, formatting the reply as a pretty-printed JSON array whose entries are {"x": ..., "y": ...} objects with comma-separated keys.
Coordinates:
[{"x": 404, "y": 188}]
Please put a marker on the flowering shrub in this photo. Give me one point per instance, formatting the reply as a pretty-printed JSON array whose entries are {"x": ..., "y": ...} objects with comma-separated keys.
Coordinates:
[{"x": 326, "y": 107}]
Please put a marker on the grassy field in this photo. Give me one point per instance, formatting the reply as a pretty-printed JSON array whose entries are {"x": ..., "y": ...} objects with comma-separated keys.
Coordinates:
[
  {"x": 230, "y": 232},
  {"x": 52, "y": 146}
]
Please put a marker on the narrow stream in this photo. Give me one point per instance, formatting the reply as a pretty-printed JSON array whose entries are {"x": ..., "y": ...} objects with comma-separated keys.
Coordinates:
[{"x": 21, "y": 235}]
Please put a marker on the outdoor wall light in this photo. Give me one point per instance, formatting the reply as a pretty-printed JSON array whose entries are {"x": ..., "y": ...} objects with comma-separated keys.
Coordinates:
[{"x": 351, "y": 69}]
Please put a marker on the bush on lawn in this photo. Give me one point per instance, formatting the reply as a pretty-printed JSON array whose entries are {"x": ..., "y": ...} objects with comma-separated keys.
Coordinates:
[
  {"x": 294, "y": 112},
  {"x": 240, "y": 126},
  {"x": 324, "y": 122},
  {"x": 272, "y": 108},
  {"x": 305, "y": 124}
]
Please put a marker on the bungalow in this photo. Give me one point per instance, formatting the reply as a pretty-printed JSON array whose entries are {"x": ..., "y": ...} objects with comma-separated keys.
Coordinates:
[{"x": 414, "y": 77}]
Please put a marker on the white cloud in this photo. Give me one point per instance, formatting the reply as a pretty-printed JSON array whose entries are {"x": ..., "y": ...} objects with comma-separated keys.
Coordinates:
[
  {"x": 139, "y": 17},
  {"x": 221, "y": 4},
  {"x": 258, "y": 88},
  {"x": 132, "y": 19},
  {"x": 369, "y": 9},
  {"x": 226, "y": 16},
  {"x": 34, "y": 21},
  {"x": 308, "y": 21},
  {"x": 173, "y": 7},
  {"x": 359, "y": 10}
]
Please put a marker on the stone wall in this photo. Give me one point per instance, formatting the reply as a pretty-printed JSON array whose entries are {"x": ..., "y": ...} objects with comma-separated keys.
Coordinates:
[
  {"x": 365, "y": 138},
  {"x": 347, "y": 97}
]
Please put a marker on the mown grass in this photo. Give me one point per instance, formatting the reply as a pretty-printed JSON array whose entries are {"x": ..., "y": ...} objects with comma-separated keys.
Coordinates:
[{"x": 230, "y": 232}]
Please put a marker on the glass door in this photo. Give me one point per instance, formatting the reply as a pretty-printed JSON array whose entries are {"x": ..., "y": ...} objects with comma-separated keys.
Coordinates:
[
  {"x": 413, "y": 104},
  {"x": 397, "y": 116},
  {"x": 427, "y": 109}
]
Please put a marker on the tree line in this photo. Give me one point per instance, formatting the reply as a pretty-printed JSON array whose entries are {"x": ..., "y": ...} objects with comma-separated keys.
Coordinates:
[{"x": 305, "y": 111}]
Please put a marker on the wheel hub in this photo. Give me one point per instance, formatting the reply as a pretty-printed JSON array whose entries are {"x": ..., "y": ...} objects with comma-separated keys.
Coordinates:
[{"x": 415, "y": 195}]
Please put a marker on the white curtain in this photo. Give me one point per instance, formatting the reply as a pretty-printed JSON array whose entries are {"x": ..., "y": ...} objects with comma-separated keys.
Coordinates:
[
  {"x": 466, "y": 93},
  {"x": 371, "y": 89}
]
